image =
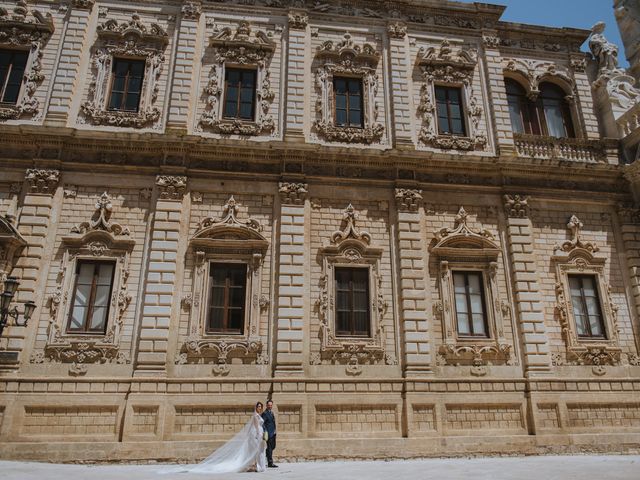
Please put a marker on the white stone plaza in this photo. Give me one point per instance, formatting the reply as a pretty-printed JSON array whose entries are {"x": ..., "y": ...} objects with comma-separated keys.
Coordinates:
[{"x": 610, "y": 467}]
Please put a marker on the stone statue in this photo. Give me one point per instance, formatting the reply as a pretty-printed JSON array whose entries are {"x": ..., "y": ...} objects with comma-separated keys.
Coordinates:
[{"x": 605, "y": 52}]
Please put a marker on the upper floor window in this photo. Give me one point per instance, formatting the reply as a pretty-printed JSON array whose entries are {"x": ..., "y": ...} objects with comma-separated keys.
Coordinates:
[
  {"x": 586, "y": 306},
  {"x": 450, "y": 111},
  {"x": 240, "y": 94},
  {"x": 352, "y": 302},
  {"x": 470, "y": 304},
  {"x": 126, "y": 85},
  {"x": 91, "y": 297},
  {"x": 549, "y": 114},
  {"x": 228, "y": 285},
  {"x": 348, "y": 102},
  {"x": 12, "y": 67}
]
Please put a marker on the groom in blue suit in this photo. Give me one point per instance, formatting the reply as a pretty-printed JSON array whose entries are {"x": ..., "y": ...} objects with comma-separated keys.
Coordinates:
[{"x": 270, "y": 427}]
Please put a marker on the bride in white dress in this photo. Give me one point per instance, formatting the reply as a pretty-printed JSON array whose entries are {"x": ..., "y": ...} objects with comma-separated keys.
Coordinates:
[{"x": 245, "y": 451}]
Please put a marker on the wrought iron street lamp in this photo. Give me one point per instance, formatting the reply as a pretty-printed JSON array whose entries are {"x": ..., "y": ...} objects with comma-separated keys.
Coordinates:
[{"x": 10, "y": 287}]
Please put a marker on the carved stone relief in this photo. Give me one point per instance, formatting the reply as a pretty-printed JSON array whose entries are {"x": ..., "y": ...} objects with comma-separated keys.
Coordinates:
[
  {"x": 351, "y": 246},
  {"x": 42, "y": 180},
  {"x": 171, "y": 187},
  {"x": 350, "y": 59},
  {"x": 248, "y": 49},
  {"x": 98, "y": 237},
  {"x": 464, "y": 248},
  {"x": 531, "y": 73},
  {"x": 26, "y": 29},
  {"x": 130, "y": 39},
  {"x": 445, "y": 65}
]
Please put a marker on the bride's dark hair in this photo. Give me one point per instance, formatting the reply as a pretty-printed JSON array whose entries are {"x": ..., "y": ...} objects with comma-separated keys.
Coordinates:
[{"x": 259, "y": 403}]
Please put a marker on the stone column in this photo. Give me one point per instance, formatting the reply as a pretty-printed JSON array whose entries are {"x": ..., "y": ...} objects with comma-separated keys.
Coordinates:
[
  {"x": 498, "y": 94},
  {"x": 584, "y": 99},
  {"x": 184, "y": 73},
  {"x": 67, "y": 73},
  {"x": 36, "y": 225},
  {"x": 412, "y": 270},
  {"x": 161, "y": 301},
  {"x": 629, "y": 218},
  {"x": 292, "y": 265},
  {"x": 400, "y": 84},
  {"x": 530, "y": 312},
  {"x": 296, "y": 75}
]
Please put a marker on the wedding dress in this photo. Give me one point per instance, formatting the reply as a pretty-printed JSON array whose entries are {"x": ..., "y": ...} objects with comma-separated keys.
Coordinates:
[{"x": 246, "y": 449}]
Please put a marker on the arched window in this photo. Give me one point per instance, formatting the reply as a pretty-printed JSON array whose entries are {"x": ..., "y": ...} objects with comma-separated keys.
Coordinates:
[
  {"x": 556, "y": 111},
  {"x": 548, "y": 115},
  {"x": 524, "y": 116}
]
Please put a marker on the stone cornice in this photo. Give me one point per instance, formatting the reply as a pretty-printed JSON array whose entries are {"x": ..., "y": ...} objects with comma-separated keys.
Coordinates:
[{"x": 64, "y": 149}]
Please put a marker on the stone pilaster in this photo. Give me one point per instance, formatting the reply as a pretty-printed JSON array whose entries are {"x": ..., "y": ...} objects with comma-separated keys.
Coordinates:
[
  {"x": 498, "y": 94},
  {"x": 184, "y": 75},
  {"x": 629, "y": 218},
  {"x": 296, "y": 74},
  {"x": 161, "y": 290},
  {"x": 400, "y": 84},
  {"x": 412, "y": 270},
  {"x": 292, "y": 265},
  {"x": 526, "y": 286},
  {"x": 583, "y": 101},
  {"x": 67, "y": 74},
  {"x": 36, "y": 225}
]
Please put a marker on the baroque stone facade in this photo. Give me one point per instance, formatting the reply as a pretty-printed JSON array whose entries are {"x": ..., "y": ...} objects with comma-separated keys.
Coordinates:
[{"x": 419, "y": 265}]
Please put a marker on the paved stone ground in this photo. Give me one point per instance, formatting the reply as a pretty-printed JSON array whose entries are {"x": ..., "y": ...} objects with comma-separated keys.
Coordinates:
[{"x": 521, "y": 468}]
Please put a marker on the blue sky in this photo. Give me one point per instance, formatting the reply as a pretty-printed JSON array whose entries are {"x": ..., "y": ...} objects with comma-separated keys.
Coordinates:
[{"x": 564, "y": 13}]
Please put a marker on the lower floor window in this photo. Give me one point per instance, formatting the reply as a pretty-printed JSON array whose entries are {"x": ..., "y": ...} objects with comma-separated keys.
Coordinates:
[
  {"x": 470, "y": 304},
  {"x": 586, "y": 306},
  {"x": 91, "y": 297},
  {"x": 352, "y": 302},
  {"x": 228, "y": 284}
]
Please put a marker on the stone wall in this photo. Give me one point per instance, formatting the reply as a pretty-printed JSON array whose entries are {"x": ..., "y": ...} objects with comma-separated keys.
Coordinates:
[{"x": 164, "y": 192}]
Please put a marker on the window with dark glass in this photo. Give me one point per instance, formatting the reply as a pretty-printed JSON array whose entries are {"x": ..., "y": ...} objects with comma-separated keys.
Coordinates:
[
  {"x": 348, "y": 102},
  {"x": 586, "y": 306},
  {"x": 556, "y": 111},
  {"x": 523, "y": 112},
  {"x": 240, "y": 93},
  {"x": 352, "y": 302},
  {"x": 449, "y": 109},
  {"x": 12, "y": 66},
  {"x": 548, "y": 115},
  {"x": 470, "y": 304},
  {"x": 126, "y": 84},
  {"x": 228, "y": 284},
  {"x": 91, "y": 297}
]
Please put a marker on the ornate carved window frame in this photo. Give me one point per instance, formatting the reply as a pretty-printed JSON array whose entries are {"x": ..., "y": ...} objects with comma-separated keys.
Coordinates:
[
  {"x": 351, "y": 247},
  {"x": 240, "y": 49},
  {"x": 30, "y": 30},
  {"x": 530, "y": 74},
  {"x": 576, "y": 256},
  {"x": 444, "y": 66},
  {"x": 346, "y": 59},
  {"x": 220, "y": 241},
  {"x": 464, "y": 249},
  {"x": 134, "y": 40},
  {"x": 96, "y": 239}
]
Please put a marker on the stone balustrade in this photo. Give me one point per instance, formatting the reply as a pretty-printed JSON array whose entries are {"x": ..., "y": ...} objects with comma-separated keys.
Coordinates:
[{"x": 574, "y": 149}]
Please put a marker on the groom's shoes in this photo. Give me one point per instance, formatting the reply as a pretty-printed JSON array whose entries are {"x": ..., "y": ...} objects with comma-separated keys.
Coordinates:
[{"x": 272, "y": 465}]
